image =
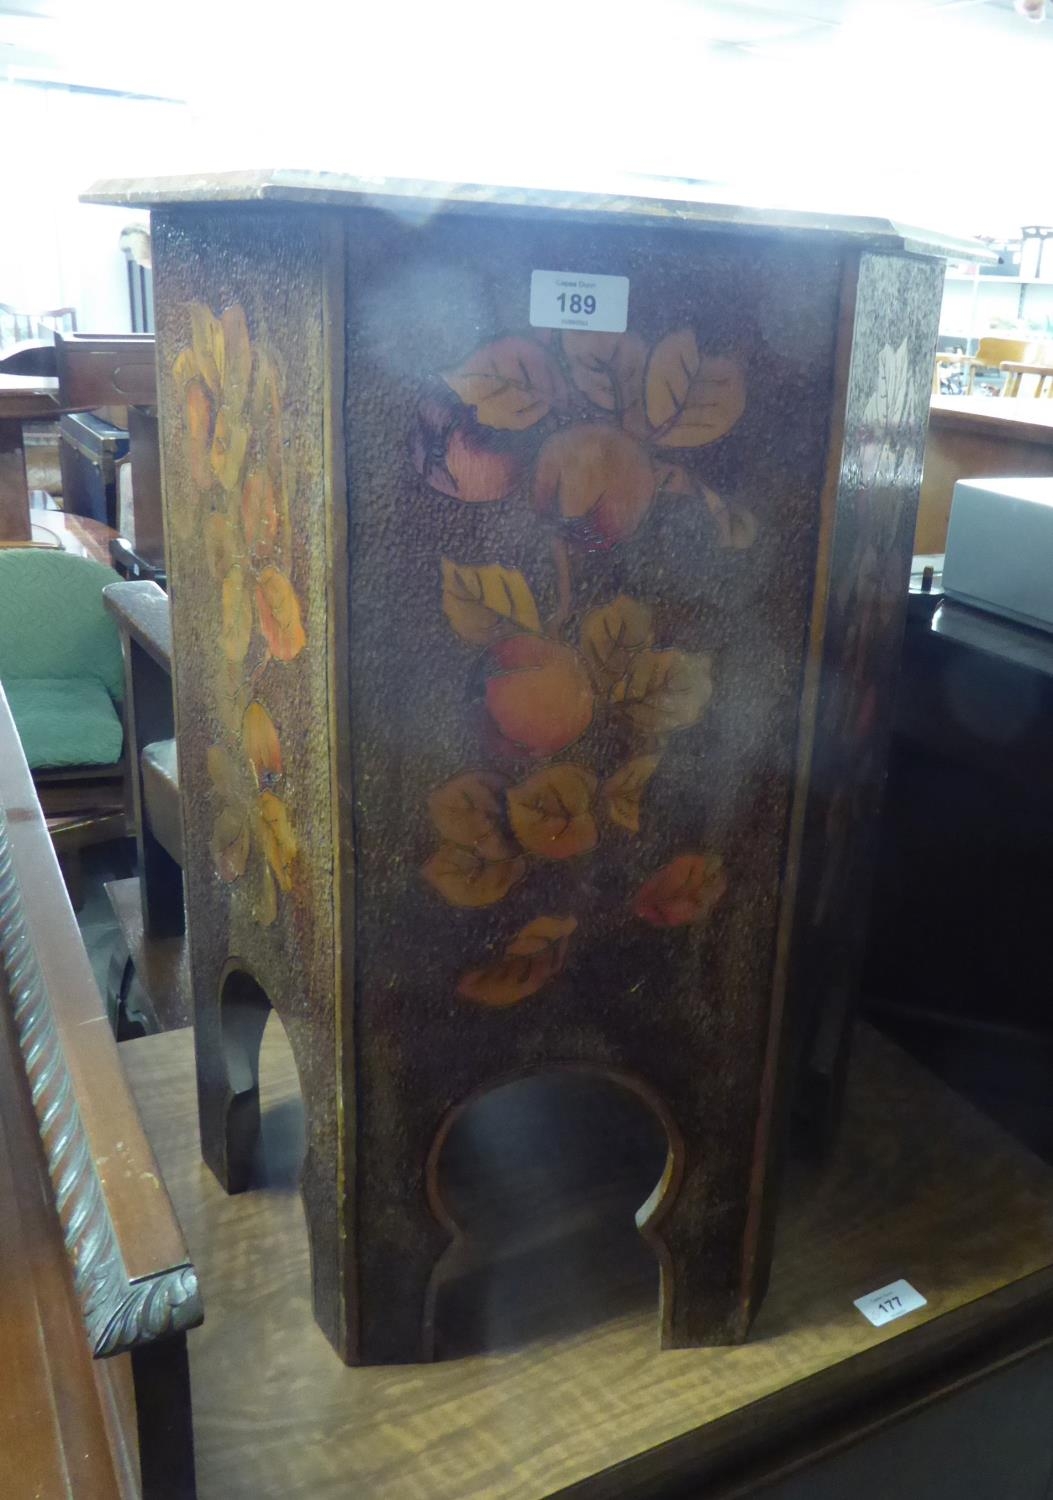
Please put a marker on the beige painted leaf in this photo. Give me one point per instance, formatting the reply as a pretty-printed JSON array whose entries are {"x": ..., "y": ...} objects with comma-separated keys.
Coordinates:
[
  {"x": 230, "y": 843},
  {"x": 551, "y": 812},
  {"x": 260, "y": 739},
  {"x": 221, "y": 544},
  {"x": 280, "y": 618},
  {"x": 692, "y": 398},
  {"x": 664, "y": 690},
  {"x": 279, "y": 842},
  {"x": 464, "y": 878},
  {"x": 237, "y": 616},
  {"x": 266, "y": 908},
  {"x": 623, "y": 792},
  {"x": 469, "y": 811},
  {"x": 485, "y": 604},
  {"x": 611, "y": 635},
  {"x": 533, "y": 957},
  {"x": 512, "y": 383},
  {"x": 608, "y": 368}
]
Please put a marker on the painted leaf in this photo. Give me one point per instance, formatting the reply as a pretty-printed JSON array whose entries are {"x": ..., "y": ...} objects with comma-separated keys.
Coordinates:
[
  {"x": 231, "y": 696},
  {"x": 741, "y": 528},
  {"x": 230, "y": 844},
  {"x": 206, "y": 336},
  {"x": 259, "y": 512},
  {"x": 891, "y": 405},
  {"x": 237, "y": 357},
  {"x": 551, "y": 812},
  {"x": 223, "y": 773},
  {"x": 485, "y": 604},
  {"x": 597, "y": 480},
  {"x": 512, "y": 383},
  {"x": 200, "y": 418},
  {"x": 456, "y": 455},
  {"x": 623, "y": 792},
  {"x": 736, "y": 527},
  {"x": 237, "y": 616},
  {"x": 608, "y": 368},
  {"x": 685, "y": 890},
  {"x": 230, "y": 443},
  {"x": 260, "y": 739},
  {"x": 221, "y": 549},
  {"x": 279, "y": 611},
  {"x": 664, "y": 690},
  {"x": 536, "y": 955},
  {"x": 185, "y": 367},
  {"x": 265, "y": 909},
  {"x": 277, "y": 838},
  {"x": 692, "y": 398},
  {"x": 463, "y": 877},
  {"x": 469, "y": 811},
  {"x": 611, "y": 635}
]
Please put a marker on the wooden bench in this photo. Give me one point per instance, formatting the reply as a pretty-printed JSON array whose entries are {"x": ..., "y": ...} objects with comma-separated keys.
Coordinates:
[{"x": 98, "y": 1290}]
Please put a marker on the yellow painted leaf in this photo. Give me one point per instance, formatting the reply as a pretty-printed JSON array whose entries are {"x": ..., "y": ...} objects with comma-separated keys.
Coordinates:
[
  {"x": 277, "y": 838},
  {"x": 611, "y": 635},
  {"x": 199, "y": 415},
  {"x": 266, "y": 908},
  {"x": 206, "y": 333},
  {"x": 536, "y": 955},
  {"x": 185, "y": 367},
  {"x": 469, "y": 811},
  {"x": 221, "y": 545},
  {"x": 624, "y": 791},
  {"x": 664, "y": 690},
  {"x": 685, "y": 890},
  {"x": 259, "y": 512},
  {"x": 279, "y": 610},
  {"x": 237, "y": 616},
  {"x": 230, "y": 443},
  {"x": 692, "y": 398},
  {"x": 551, "y": 812},
  {"x": 464, "y": 878},
  {"x": 230, "y": 844},
  {"x": 237, "y": 357},
  {"x": 485, "y": 604},
  {"x": 512, "y": 383},
  {"x": 260, "y": 739},
  {"x": 232, "y": 696},
  {"x": 608, "y": 368}
]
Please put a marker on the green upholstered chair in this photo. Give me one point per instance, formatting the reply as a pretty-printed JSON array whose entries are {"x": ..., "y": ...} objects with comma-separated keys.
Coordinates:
[{"x": 63, "y": 673}]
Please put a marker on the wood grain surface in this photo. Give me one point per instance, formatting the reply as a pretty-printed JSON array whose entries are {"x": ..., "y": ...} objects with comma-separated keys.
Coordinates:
[{"x": 553, "y": 1383}]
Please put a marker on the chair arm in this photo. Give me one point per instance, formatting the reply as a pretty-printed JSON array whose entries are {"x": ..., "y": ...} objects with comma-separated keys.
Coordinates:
[{"x": 142, "y": 612}]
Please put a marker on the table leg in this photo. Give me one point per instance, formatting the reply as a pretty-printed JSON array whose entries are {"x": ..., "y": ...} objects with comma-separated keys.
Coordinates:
[{"x": 14, "y": 493}]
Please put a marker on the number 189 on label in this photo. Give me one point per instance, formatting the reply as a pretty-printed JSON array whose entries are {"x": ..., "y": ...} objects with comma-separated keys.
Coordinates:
[{"x": 577, "y": 299}]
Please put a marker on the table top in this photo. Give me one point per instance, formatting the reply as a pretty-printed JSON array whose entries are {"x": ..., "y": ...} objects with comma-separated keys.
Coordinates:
[
  {"x": 78, "y": 534},
  {"x": 553, "y": 1382},
  {"x": 26, "y": 397},
  {"x": 1020, "y": 417}
]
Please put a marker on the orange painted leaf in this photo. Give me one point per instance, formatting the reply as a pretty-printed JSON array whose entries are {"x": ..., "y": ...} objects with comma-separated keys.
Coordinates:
[
  {"x": 536, "y": 955},
  {"x": 206, "y": 335},
  {"x": 279, "y": 842},
  {"x": 551, "y": 812},
  {"x": 279, "y": 610},
  {"x": 685, "y": 890},
  {"x": 230, "y": 443},
  {"x": 608, "y": 368},
  {"x": 512, "y": 383},
  {"x": 664, "y": 690},
  {"x": 259, "y": 512},
  {"x": 610, "y": 637},
  {"x": 200, "y": 421},
  {"x": 237, "y": 616},
  {"x": 692, "y": 398},
  {"x": 597, "y": 480},
  {"x": 230, "y": 843},
  {"x": 469, "y": 811},
  {"x": 485, "y": 604},
  {"x": 623, "y": 792},
  {"x": 464, "y": 878},
  {"x": 221, "y": 546},
  {"x": 260, "y": 739}
]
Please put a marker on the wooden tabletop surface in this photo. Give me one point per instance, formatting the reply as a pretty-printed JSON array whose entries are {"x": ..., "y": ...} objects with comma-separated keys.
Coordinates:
[
  {"x": 26, "y": 397},
  {"x": 77, "y": 534},
  {"x": 552, "y": 1382},
  {"x": 1022, "y": 419}
]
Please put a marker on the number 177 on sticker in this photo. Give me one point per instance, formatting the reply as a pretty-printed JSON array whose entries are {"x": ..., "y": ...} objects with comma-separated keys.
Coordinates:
[{"x": 576, "y": 299}]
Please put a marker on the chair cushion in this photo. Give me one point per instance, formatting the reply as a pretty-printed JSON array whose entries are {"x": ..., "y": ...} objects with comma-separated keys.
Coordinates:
[
  {"x": 65, "y": 722},
  {"x": 53, "y": 622}
]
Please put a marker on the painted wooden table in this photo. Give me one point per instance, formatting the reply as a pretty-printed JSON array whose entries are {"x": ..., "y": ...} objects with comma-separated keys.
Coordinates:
[
  {"x": 538, "y": 569},
  {"x": 971, "y": 437},
  {"x": 23, "y": 398},
  {"x": 553, "y": 1384}
]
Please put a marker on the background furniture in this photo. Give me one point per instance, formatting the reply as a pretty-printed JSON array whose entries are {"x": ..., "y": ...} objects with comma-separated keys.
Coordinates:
[
  {"x": 990, "y": 354},
  {"x": 60, "y": 663},
  {"x": 97, "y": 1290},
  {"x": 973, "y": 436},
  {"x": 558, "y": 1386},
  {"x": 16, "y": 325},
  {"x": 23, "y": 398},
  {"x": 1015, "y": 371},
  {"x": 302, "y": 433}
]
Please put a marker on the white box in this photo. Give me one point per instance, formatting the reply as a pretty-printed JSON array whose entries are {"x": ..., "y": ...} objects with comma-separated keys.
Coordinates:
[{"x": 1000, "y": 548}]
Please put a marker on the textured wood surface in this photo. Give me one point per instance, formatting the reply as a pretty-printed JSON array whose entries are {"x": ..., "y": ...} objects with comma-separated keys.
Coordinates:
[
  {"x": 554, "y": 1382},
  {"x": 162, "y": 965}
]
